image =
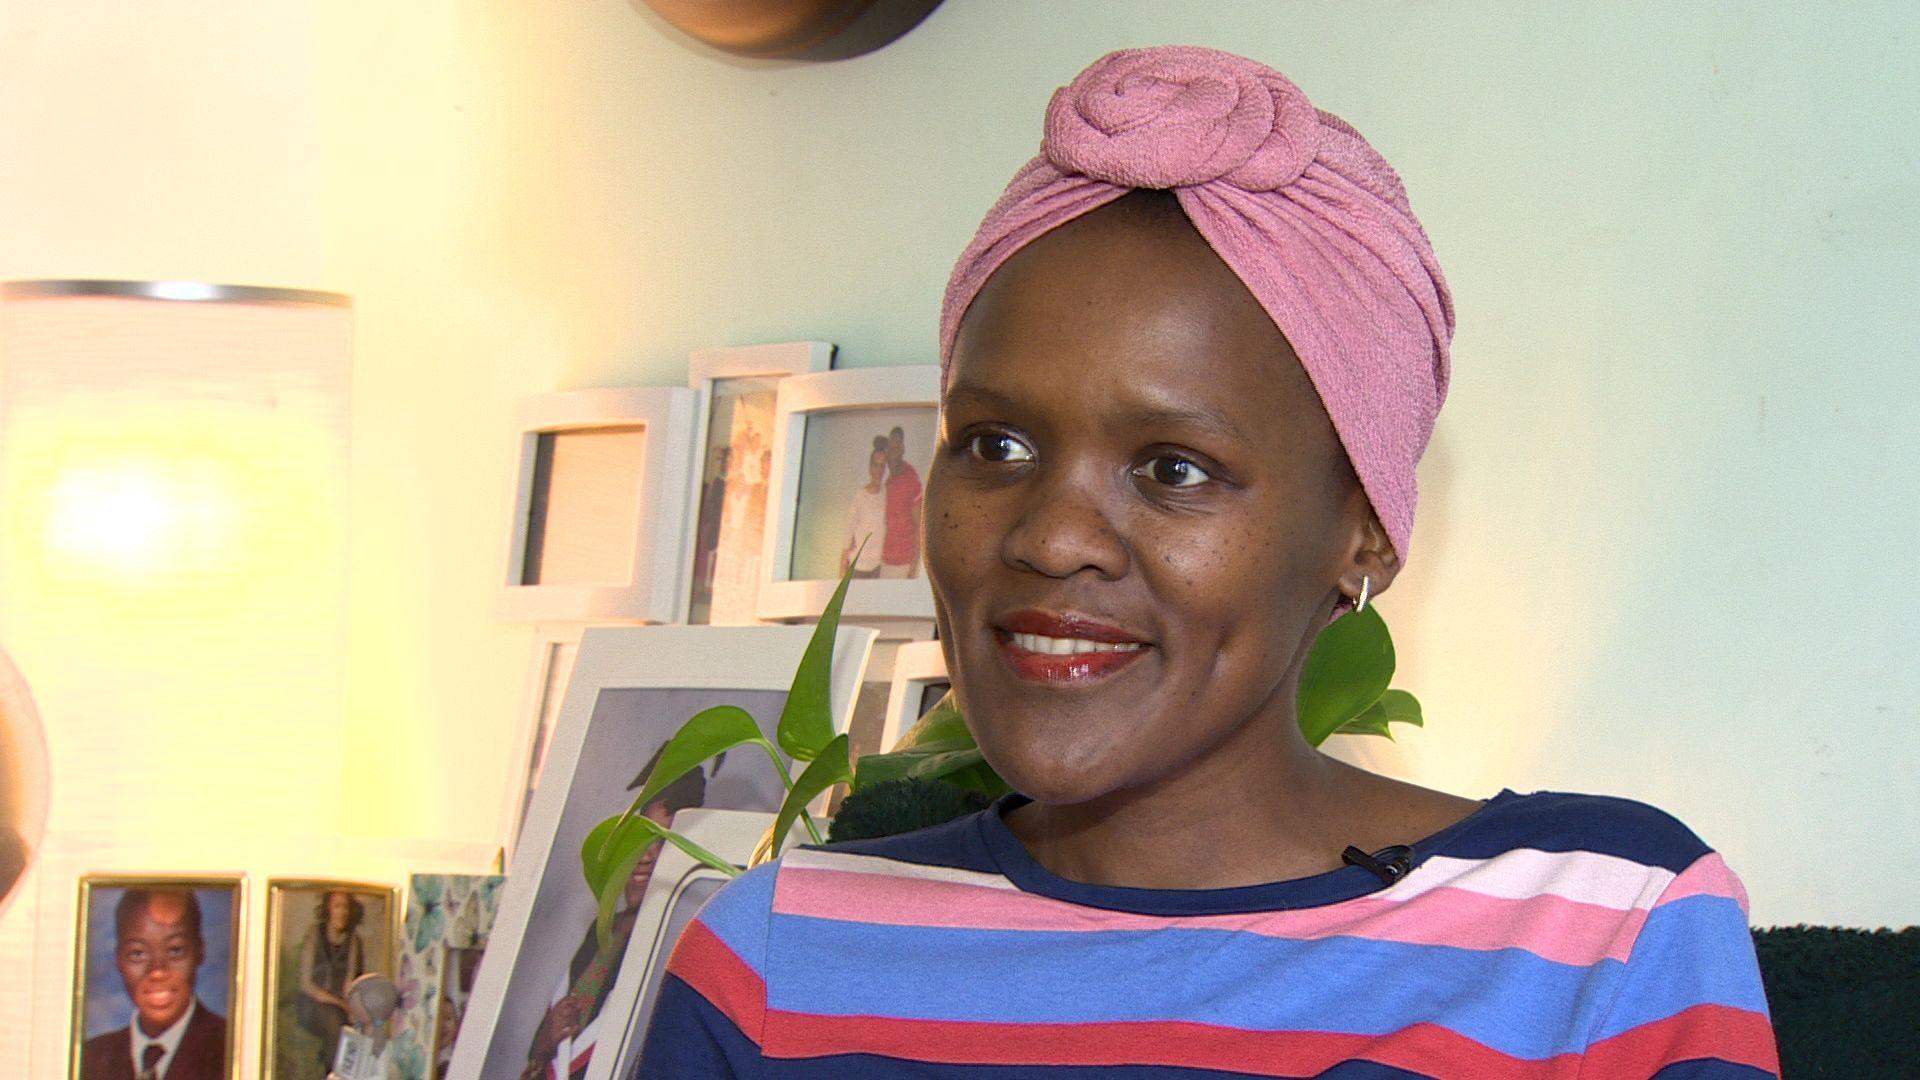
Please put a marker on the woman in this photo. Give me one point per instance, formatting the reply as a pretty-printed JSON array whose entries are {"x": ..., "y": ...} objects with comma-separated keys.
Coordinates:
[
  {"x": 1192, "y": 358},
  {"x": 867, "y": 517},
  {"x": 331, "y": 956}
]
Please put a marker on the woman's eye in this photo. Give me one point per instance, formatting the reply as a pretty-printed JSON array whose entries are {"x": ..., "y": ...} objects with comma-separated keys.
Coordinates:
[
  {"x": 999, "y": 448},
  {"x": 1173, "y": 472}
]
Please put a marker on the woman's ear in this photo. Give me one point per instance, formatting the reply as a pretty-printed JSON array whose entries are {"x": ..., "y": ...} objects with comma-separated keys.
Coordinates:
[{"x": 1372, "y": 563}]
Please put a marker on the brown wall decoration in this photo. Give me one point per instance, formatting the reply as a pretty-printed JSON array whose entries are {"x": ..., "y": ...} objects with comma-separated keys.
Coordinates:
[{"x": 794, "y": 29}]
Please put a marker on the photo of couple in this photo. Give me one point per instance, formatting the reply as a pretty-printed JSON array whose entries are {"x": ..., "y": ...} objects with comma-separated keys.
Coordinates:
[
  {"x": 883, "y": 520},
  {"x": 860, "y": 494}
]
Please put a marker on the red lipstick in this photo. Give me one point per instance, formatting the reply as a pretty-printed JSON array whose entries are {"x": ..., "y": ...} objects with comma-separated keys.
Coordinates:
[{"x": 1036, "y": 661}]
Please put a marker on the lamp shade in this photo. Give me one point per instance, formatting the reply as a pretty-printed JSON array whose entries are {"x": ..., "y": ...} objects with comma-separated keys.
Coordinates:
[{"x": 173, "y": 467}]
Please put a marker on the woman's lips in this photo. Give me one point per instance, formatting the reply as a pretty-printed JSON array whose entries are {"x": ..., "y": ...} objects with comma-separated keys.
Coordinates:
[{"x": 1058, "y": 648}]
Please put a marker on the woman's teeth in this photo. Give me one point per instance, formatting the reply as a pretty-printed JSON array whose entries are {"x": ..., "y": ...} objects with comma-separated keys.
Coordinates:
[{"x": 1055, "y": 646}]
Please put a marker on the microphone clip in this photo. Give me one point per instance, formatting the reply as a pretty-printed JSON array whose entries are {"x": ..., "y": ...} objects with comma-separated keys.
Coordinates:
[{"x": 1389, "y": 864}]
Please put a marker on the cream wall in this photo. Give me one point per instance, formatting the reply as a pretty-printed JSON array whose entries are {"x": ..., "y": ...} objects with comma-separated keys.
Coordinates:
[{"x": 1660, "y": 552}]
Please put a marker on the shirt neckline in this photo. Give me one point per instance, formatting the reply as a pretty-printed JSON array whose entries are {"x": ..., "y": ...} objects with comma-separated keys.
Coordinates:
[
  {"x": 1330, "y": 887},
  {"x": 168, "y": 1040}
]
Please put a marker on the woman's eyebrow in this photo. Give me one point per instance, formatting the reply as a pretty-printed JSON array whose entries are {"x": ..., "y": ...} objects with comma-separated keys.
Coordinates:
[
  {"x": 1142, "y": 415},
  {"x": 979, "y": 396},
  {"x": 1179, "y": 416}
]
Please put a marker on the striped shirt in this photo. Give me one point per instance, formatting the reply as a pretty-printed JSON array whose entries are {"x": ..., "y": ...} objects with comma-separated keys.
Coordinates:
[{"x": 1545, "y": 935}]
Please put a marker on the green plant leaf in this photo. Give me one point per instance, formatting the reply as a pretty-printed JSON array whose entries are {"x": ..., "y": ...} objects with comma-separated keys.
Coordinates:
[
  {"x": 830, "y": 768},
  {"x": 625, "y": 846},
  {"x": 593, "y": 854},
  {"x": 936, "y": 766},
  {"x": 879, "y": 768},
  {"x": 942, "y": 722},
  {"x": 1347, "y": 670},
  {"x": 1394, "y": 707},
  {"x": 979, "y": 777},
  {"x": 806, "y": 722},
  {"x": 705, "y": 734}
]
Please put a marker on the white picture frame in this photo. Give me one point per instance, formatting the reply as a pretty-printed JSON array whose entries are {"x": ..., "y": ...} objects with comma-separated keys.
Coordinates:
[
  {"x": 632, "y": 687},
  {"x": 918, "y": 666},
  {"x": 631, "y": 492},
  {"x": 712, "y": 554},
  {"x": 556, "y": 647},
  {"x": 680, "y": 885},
  {"x": 804, "y": 399}
]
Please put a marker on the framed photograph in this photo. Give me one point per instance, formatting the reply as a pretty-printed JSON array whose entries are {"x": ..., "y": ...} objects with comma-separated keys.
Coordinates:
[
  {"x": 157, "y": 964},
  {"x": 321, "y": 935},
  {"x": 919, "y": 682},
  {"x": 679, "y": 887},
  {"x": 543, "y": 983},
  {"x": 851, "y": 450},
  {"x": 600, "y": 508},
  {"x": 735, "y": 390},
  {"x": 449, "y": 918},
  {"x": 555, "y": 647}
]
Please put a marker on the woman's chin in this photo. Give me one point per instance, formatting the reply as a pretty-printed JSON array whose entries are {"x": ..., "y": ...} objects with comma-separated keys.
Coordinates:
[{"x": 1052, "y": 782}]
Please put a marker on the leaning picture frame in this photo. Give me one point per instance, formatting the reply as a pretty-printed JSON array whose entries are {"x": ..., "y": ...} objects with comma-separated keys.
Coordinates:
[
  {"x": 851, "y": 451},
  {"x": 540, "y": 993},
  {"x": 127, "y": 925},
  {"x": 449, "y": 919},
  {"x": 300, "y": 1033},
  {"x": 919, "y": 682},
  {"x": 556, "y": 646},
  {"x": 735, "y": 392},
  {"x": 599, "y": 510},
  {"x": 679, "y": 887}
]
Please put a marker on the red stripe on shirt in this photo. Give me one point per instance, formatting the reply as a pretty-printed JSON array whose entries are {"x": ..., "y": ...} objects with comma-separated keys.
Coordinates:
[
  {"x": 1738, "y": 1036},
  {"x": 717, "y": 973},
  {"x": 1422, "y": 1047}
]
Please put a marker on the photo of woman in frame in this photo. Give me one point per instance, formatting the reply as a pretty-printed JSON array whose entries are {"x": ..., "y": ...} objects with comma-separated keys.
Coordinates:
[{"x": 321, "y": 935}]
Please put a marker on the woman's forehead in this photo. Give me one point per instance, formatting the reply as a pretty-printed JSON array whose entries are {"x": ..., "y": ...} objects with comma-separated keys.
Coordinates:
[{"x": 1135, "y": 307}]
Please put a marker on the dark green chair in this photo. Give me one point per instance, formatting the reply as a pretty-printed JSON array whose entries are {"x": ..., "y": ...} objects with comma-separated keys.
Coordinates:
[{"x": 1846, "y": 1003}]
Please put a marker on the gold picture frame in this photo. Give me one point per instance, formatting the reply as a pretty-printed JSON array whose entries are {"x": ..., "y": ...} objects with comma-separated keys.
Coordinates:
[
  {"x": 97, "y": 924},
  {"x": 292, "y": 898}
]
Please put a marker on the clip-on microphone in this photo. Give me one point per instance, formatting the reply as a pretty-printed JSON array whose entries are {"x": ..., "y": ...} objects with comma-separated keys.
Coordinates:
[{"x": 1389, "y": 864}]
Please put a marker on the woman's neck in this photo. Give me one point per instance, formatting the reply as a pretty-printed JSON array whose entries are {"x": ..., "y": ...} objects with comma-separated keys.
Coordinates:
[{"x": 1262, "y": 808}]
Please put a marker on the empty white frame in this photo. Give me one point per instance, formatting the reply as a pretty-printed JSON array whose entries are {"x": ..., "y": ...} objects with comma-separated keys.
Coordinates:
[
  {"x": 600, "y": 508},
  {"x": 919, "y": 681},
  {"x": 632, "y": 687},
  {"x": 727, "y": 500},
  {"x": 824, "y": 432}
]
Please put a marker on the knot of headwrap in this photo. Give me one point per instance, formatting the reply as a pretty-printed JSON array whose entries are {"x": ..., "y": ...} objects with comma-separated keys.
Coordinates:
[
  {"x": 1176, "y": 117},
  {"x": 1305, "y": 213}
]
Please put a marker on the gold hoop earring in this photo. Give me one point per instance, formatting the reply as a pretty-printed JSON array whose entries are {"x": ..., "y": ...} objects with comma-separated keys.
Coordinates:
[{"x": 1366, "y": 586}]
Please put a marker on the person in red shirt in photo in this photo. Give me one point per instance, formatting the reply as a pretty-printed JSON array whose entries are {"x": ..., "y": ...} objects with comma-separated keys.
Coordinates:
[{"x": 900, "y": 554}]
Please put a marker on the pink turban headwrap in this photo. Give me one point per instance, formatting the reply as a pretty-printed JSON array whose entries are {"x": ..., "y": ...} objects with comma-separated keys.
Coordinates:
[{"x": 1310, "y": 218}]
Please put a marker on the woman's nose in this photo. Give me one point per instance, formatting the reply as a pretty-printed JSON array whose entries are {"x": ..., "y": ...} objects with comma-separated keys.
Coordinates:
[{"x": 1066, "y": 525}]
